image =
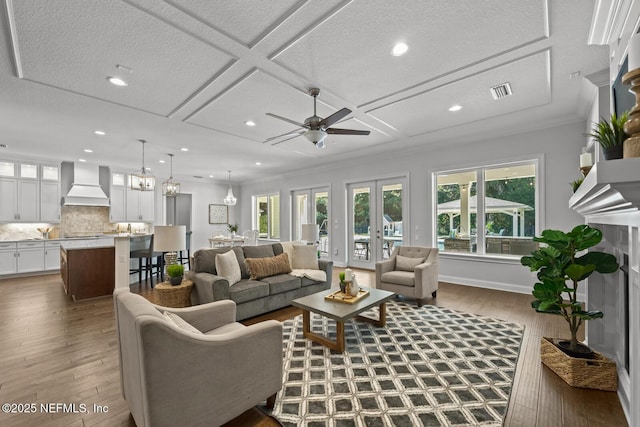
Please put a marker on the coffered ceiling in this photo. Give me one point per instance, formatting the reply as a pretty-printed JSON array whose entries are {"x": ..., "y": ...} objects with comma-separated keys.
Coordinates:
[{"x": 197, "y": 70}]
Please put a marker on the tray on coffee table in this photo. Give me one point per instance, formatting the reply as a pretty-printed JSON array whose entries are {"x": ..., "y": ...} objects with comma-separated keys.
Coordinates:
[{"x": 339, "y": 296}]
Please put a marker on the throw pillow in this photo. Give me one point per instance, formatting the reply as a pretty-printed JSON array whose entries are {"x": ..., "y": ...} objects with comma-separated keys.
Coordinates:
[
  {"x": 268, "y": 266},
  {"x": 305, "y": 257},
  {"x": 287, "y": 248},
  {"x": 180, "y": 322},
  {"x": 404, "y": 263},
  {"x": 227, "y": 266}
]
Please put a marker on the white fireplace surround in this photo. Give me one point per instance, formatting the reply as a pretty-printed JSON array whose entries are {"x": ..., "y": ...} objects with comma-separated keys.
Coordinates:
[{"x": 609, "y": 199}]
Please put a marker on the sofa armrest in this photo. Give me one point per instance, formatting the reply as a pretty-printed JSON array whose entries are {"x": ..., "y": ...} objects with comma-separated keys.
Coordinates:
[
  {"x": 426, "y": 278},
  {"x": 208, "y": 287},
  {"x": 206, "y": 317},
  {"x": 383, "y": 267},
  {"x": 327, "y": 267}
]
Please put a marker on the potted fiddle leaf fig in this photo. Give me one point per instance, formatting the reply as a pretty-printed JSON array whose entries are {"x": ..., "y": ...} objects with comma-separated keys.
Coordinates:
[
  {"x": 610, "y": 135},
  {"x": 561, "y": 269}
]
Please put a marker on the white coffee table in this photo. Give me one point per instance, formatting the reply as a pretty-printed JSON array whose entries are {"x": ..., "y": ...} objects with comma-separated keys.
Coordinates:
[{"x": 340, "y": 312}]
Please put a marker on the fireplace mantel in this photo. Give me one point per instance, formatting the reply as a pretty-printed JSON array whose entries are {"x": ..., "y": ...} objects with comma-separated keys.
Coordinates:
[{"x": 611, "y": 187}]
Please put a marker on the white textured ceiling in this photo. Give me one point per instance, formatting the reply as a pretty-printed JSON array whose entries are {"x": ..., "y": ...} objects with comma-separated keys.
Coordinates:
[{"x": 198, "y": 69}]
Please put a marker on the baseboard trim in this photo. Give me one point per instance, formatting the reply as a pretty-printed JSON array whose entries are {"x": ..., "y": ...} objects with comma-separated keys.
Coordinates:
[{"x": 508, "y": 287}]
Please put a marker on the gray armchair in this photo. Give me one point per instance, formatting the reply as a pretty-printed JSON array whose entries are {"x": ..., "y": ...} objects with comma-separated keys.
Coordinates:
[
  {"x": 414, "y": 274},
  {"x": 174, "y": 376}
]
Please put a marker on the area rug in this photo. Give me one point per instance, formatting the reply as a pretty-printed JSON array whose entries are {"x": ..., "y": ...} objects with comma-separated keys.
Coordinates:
[{"x": 429, "y": 366}]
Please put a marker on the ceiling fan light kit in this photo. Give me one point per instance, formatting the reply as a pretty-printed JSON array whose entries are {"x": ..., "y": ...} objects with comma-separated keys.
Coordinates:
[{"x": 316, "y": 127}]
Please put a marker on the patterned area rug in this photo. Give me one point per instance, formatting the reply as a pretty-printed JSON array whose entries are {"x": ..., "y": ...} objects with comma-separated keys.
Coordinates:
[{"x": 429, "y": 366}]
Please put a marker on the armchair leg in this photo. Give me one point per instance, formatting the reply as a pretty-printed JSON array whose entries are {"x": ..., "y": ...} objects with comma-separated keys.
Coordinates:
[
  {"x": 433, "y": 294},
  {"x": 271, "y": 401},
  {"x": 419, "y": 302}
]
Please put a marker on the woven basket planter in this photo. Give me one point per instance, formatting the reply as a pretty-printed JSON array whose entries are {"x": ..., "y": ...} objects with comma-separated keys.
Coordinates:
[{"x": 599, "y": 373}]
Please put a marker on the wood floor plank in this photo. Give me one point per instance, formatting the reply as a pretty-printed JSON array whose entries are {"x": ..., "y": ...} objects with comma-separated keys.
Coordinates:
[{"x": 54, "y": 350}]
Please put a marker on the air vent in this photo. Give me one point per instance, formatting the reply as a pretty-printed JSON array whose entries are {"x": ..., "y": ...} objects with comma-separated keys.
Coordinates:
[
  {"x": 3, "y": 145},
  {"x": 501, "y": 90}
]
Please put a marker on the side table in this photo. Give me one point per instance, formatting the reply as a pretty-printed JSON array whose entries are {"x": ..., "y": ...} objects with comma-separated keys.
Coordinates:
[{"x": 174, "y": 296}]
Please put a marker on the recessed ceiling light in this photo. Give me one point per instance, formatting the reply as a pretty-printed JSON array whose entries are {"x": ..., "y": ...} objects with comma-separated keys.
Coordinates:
[
  {"x": 210, "y": 176},
  {"x": 258, "y": 163},
  {"x": 117, "y": 81},
  {"x": 184, "y": 149},
  {"x": 99, "y": 132},
  {"x": 161, "y": 161},
  {"x": 455, "y": 108},
  {"x": 399, "y": 49},
  {"x": 87, "y": 150},
  {"x": 81, "y": 160},
  {"x": 250, "y": 123}
]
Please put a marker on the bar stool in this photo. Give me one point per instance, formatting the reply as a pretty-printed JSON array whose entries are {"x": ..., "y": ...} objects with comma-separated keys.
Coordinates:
[
  {"x": 181, "y": 254},
  {"x": 142, "y": 249}
]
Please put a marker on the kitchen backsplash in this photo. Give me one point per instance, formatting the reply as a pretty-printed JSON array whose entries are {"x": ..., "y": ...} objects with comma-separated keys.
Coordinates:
[{"x": 84, "y": 220}]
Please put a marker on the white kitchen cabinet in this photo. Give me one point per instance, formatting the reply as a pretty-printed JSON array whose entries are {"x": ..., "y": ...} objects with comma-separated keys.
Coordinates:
[
  {"x": 140, "y": 206},
  {"x": 52, "y": 255},
  {"x": 8, "y": 263},
  {"x": 30, "y": 256},
  {"x": 118, "y": 209},
  {"x": 49, "y": 201},
  {"x": 20, "y": 200}
]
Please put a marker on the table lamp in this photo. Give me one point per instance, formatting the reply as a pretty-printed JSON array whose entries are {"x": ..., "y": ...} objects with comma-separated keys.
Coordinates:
[
  {"x": 169, "y": 239},
  {"x": 310, "y": 233}
]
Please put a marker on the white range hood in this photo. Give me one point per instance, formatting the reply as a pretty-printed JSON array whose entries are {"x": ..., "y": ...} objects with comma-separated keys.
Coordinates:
[{"x": 86, "y": 189}]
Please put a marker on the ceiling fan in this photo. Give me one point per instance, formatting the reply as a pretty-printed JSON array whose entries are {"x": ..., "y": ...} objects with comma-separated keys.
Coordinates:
[{"x": 316, "y": 128}]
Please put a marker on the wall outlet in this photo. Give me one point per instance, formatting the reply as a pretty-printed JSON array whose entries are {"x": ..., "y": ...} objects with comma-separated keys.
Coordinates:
[{"x": 335, "y": 251}]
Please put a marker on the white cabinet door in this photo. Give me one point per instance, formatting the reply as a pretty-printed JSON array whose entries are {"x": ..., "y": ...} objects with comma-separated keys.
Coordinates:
[
  {"x": 9, "y": 195},
  {"x": 49, "y": 201},
  {"x": 146, "y": 206},
  {"x": 118, "y": 211},
  {"x": 28, "y": 201},
  {"x": 30, "y": 256},
  {"x": 8, "y": 258},
  {"x": 52, "y": 255},
  {"x": 133, "y": 211}
]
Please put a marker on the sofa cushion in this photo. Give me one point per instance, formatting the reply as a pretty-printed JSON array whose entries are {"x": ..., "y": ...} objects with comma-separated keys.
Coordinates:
[
  {"x": 305, "y": 257},
  {"x": 281, "y": 283},
  {"x": 262, "y": 251},
  {"x": 269, "y": 266},
  {"x": 404, "y": 263},
  {"x": 227, "y": 266},
  {"x": 405, "y": 278},
  {"x": 248, "y": 290},
  {"x": 244, "y": 270},
  {"x": 180, "y": 322}
]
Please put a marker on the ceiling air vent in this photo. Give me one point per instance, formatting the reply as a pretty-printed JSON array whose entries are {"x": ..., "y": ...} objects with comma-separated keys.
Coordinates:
[{"x": 501, "y": 90}]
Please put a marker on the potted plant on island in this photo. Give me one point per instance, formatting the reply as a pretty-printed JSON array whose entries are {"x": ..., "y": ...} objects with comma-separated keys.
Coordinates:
[
  {"x": 611, "y": 135},
  {"x": 560, "y": 271},
  {"x": 175, "y": 272},
  {"x": 233, "y": 229}
]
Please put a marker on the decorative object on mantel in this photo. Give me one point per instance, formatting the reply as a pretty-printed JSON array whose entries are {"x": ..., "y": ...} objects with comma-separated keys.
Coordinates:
[
  {"x": 586, "y": 162},
  {"x": 170, "y": 188},
  {"x": 610, "y": 135},
  {"x": 559, "y": 272},
  {"x": 576, "y": 184},
  {"x": 230, "y": 200},
  {"x": 142, "y": 181},
  {"x": 632, "y": 127}
]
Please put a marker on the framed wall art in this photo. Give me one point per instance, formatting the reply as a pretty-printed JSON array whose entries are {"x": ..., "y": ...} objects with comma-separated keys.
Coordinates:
[{"x": 218, "y": 214}]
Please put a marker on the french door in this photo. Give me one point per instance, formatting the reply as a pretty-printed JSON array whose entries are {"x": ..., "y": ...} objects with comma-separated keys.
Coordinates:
[
  {"x": 376, "y": 217},
  {"x": 311, "y": 206}
]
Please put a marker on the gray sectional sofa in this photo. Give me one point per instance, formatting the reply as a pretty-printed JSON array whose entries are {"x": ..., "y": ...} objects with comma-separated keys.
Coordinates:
[{"x": 252, "y": 297}]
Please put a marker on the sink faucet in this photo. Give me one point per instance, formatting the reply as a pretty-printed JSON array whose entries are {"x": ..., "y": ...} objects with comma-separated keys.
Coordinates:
[{"x": 129, "y": 228}]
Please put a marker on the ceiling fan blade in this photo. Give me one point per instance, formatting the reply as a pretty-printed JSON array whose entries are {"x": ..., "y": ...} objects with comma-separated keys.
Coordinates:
[
  {"x": 287, "y": 120},
  {"x": 284, "y": 134},
  {"x": 336, "y": 131},
  {"x": 335, "y": 117}
]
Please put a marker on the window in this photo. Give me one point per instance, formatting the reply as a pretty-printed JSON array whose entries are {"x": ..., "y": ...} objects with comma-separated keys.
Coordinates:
[
  {"x": 499, "y": 199},
  {"x": 266, "y": 218},
  {"x": 312, "y": 206}
]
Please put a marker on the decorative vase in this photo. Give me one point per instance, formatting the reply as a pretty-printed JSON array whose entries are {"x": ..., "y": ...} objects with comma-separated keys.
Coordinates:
[
  {"x": 354, "y": 287},
  {"x": 233, "y": 234},
  {"x": 632, "y": 125},
  {"x": 175, "y": 281}
]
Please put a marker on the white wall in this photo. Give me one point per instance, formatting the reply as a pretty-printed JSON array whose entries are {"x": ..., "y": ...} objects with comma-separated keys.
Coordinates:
[{"x": 559, "y": 148}]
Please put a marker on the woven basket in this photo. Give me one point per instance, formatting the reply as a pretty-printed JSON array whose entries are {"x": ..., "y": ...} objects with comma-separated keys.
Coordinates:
[
  {"x": 599, "y": 373},
  {"x": 174, "y": 296},
  {"x": 631, "y": 147}
]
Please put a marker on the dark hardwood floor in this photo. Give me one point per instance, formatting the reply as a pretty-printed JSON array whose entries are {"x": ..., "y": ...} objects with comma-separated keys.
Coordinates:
[{"x": 55, "y": 351}]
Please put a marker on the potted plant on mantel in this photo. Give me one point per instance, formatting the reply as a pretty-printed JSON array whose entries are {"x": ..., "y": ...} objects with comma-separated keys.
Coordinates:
[
  {"x": 610, "y": 135},
  {"x": 560, "y": 271}
]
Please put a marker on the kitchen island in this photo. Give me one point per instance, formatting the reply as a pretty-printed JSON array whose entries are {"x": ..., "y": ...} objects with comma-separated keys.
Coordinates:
[{"x": 88, "y": 272}]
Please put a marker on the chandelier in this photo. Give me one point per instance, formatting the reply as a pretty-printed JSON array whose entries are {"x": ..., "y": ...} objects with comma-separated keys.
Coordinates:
[
  {"x": 142, "y": 181},
  {"x": 230, "y": 200},
  {"x": 170, "y": 188}
]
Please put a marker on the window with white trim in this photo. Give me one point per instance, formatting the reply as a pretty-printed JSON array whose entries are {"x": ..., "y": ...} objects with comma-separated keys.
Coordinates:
[
  {"x": 266, "y": 215},
  {"x": 500, "y": 199}
]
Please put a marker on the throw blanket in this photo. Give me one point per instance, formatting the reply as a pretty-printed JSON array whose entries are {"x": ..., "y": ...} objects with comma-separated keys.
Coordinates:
[{"x": 317, "y": 275}]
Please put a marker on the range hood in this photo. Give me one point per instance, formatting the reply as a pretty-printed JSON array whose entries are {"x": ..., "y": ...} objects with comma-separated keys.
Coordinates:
[{"x": 85, "y": 189}]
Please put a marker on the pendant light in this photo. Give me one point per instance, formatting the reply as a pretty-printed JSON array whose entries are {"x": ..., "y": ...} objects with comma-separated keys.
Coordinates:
[
  {"x": 230, "y": 200},
  {"x": 170, "y": 188},
  {"x": 142, "y": 181}
]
